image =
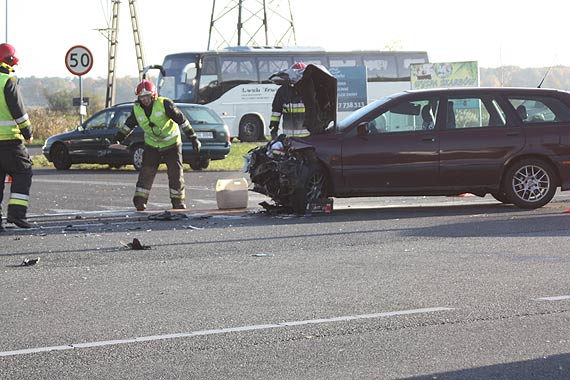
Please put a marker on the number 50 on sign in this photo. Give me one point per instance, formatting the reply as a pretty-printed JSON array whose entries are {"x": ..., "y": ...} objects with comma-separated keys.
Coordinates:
[{"x": 79, "y": 60}]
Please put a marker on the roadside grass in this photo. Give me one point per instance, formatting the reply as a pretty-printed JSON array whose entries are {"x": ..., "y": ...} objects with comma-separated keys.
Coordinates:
[{"x": 233, "y": 162}]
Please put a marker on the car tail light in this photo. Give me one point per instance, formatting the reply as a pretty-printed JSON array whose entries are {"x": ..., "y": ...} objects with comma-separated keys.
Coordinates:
[{"x": 228, "y": 138}]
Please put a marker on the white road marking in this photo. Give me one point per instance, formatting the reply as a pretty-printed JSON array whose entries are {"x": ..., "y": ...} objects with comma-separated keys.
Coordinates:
[
  {"x": 220, "y": 331},
  {"x": 556, "y": 298},
  {"x": 107, "y": 183}
]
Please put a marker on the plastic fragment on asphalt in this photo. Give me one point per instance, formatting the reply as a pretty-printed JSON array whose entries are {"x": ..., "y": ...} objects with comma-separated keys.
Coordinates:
[
  {"x": 167, "y": 215},
  {"x": 262, "y": 255},
  {"x": 190, "y": 227},
  {"x": 29, "y": 262},
  {"x": 135, "y": 245}
]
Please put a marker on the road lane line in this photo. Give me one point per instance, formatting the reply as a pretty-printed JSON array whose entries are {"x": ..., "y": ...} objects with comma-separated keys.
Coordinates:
[
  {"x": 555, "y": 298},
  {"x": 220, "y": 331},
  {"x": 107, "y": 183}
]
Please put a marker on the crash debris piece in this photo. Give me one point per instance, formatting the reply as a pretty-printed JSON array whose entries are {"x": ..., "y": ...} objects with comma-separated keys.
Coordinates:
[
  {"x": 135, "y": 245},
  {"x": 167, "y": 215},
  {"x": 191, "y": 227},
  {"x": 29, "y": 262},
  {"x": 72, "y": 228}
]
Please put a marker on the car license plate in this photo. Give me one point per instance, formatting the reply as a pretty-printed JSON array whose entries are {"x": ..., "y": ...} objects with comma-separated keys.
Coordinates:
[{"x": 205, "y": 135}]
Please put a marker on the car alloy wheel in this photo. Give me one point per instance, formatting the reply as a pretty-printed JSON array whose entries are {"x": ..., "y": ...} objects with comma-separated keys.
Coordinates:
[
  {"x": 138, "y": 157},
  {"x": 531, "y": 183},
  {"x": 313, "y": 187}
]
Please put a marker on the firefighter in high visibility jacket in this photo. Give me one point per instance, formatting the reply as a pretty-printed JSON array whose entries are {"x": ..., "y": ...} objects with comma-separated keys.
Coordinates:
[
  {"x": 15, "y": 128},
  {"x": 287, "y": 101},
  {"x": 161, "y": 122}
]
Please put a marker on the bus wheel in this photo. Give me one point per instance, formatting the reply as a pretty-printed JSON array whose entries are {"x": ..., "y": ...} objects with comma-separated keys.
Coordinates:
[{"x": 250, "y": 129}]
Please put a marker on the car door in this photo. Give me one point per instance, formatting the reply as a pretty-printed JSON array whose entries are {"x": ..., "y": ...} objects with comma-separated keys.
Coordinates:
[
  {"x": 480, "y": 135},
  {"x": 395, "y": 151},
  {"x": 89, "y": 144}
]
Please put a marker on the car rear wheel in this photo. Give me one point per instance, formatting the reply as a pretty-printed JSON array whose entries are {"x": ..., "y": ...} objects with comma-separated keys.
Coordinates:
[
  {"x": 60, "y": 157},
  {"x": 312, "y": 188},
  {"x": 200, "y": 164},
  {"x": 250, "y": 129},
  {"x": 138, "y": 152},
  {"x": 530, "y": 183}
]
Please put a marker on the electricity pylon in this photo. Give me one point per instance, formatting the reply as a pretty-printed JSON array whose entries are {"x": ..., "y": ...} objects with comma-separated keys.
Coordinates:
[
  {"x": 112, "y": 33},
  {"x": 259, "y": 23}
]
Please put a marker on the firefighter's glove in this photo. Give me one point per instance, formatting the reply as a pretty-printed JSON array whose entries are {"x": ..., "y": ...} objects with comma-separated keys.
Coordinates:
[
  {"x": 196, "y": 144},
  {"x": 118, "y": 138},
  {"x": 274, "y": 129}
]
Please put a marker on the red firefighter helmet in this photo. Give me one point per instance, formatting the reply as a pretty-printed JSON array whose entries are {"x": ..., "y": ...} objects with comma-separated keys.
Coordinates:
[
  {"x": 298, "y": 66},
  {"x": 8, "y": 55},
  {"x": 146, "y": 87},
  {"x": 296, "y": 70}
]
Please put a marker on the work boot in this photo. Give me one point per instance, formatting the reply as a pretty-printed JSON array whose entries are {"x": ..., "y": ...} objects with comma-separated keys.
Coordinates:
[
  {"x": 140, "y": 203},
  {"x": 20, "y": 222},
  {"x": 178, "y": 204}
]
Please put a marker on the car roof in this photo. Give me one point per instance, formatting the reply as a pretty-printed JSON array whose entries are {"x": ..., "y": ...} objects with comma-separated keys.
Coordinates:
[
  {"x": 487, "y": 90},
  {"x": 178, "y": 104}
]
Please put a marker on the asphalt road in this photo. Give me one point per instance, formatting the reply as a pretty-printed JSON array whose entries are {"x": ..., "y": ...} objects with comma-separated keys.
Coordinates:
[{"x": 382, "y": 288}]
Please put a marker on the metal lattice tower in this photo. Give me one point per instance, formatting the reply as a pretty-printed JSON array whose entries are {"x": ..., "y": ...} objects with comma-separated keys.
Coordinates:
[
  {"x": 112, "y": 33},
  {"x": 255, "y": 23}
]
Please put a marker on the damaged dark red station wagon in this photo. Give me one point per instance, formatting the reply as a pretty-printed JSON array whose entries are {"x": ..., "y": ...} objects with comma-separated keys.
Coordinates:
[{"x": 512, "y": 143}]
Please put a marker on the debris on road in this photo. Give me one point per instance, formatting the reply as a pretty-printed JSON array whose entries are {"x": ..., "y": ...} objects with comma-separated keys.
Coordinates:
[
  {"x": 29, "y": 262},
  {"x": 72, "y": 228},
  {"x": 135, "y": 245},
  {"x": 167, "y": 215},
  {"x": 190, "y": 227}
]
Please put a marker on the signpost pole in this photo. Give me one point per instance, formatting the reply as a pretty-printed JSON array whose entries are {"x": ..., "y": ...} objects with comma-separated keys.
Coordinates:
[
  {"x": 79, "y": 61},
  {"x": 81, "y": 105}
]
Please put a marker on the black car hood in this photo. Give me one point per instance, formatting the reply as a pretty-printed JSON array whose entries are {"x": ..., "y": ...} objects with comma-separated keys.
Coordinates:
[{"x": 318, "y": 89}]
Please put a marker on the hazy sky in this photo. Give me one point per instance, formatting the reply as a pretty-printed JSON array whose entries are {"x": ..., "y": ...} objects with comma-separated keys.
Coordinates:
[{"x": 523, "y": 33}]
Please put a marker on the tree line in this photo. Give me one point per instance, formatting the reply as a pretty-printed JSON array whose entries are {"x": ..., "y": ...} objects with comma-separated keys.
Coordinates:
[{"x": 56, "y": 94}]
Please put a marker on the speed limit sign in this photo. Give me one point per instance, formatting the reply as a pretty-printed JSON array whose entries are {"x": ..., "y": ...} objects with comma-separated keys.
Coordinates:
[{"x": 79, "y": 60}]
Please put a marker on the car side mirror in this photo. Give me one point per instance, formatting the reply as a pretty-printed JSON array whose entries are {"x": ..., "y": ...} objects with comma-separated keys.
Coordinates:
[
  {"x": 362, "y": 129},
  {"x": 80, "y": 128}
]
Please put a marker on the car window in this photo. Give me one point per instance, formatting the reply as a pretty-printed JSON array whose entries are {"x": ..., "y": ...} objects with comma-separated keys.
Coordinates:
[
  {"x": 474, "y": 112},
  {"x": 417, "y": 115},
  {"x": 201, "y": 116},
  {"x": 537, "y": 110},
  {"x": 100, "y": 121},
  {"x": 119, "y": 119}
]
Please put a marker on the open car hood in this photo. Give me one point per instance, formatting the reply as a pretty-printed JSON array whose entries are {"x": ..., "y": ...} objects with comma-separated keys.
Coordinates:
[{"x": 318, "y": 89}]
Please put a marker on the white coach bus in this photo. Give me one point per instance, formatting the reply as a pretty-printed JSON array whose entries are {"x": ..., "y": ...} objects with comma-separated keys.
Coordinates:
[{"x": 234, "y": 81}]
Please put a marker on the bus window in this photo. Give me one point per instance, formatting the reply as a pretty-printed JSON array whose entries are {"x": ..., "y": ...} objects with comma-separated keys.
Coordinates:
[
  {"x": 404, "y": 63},
  {"x": 238, "y": 69},
  {"x": 312, "y": 60},
  {"x": 270, "y": 65},
  {"x": 335, "y": 61},
  {"x": 185, "y": 89},
  {"x": 380, "y": 69},
  {"x": 209, "y": 81}
]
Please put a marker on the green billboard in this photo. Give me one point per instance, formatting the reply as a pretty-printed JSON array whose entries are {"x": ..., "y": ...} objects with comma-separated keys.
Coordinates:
[{"x": 444, "y": 74}]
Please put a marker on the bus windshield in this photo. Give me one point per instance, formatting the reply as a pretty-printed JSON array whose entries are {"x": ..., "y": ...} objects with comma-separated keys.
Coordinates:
[{"x": 181, "y": 77}]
